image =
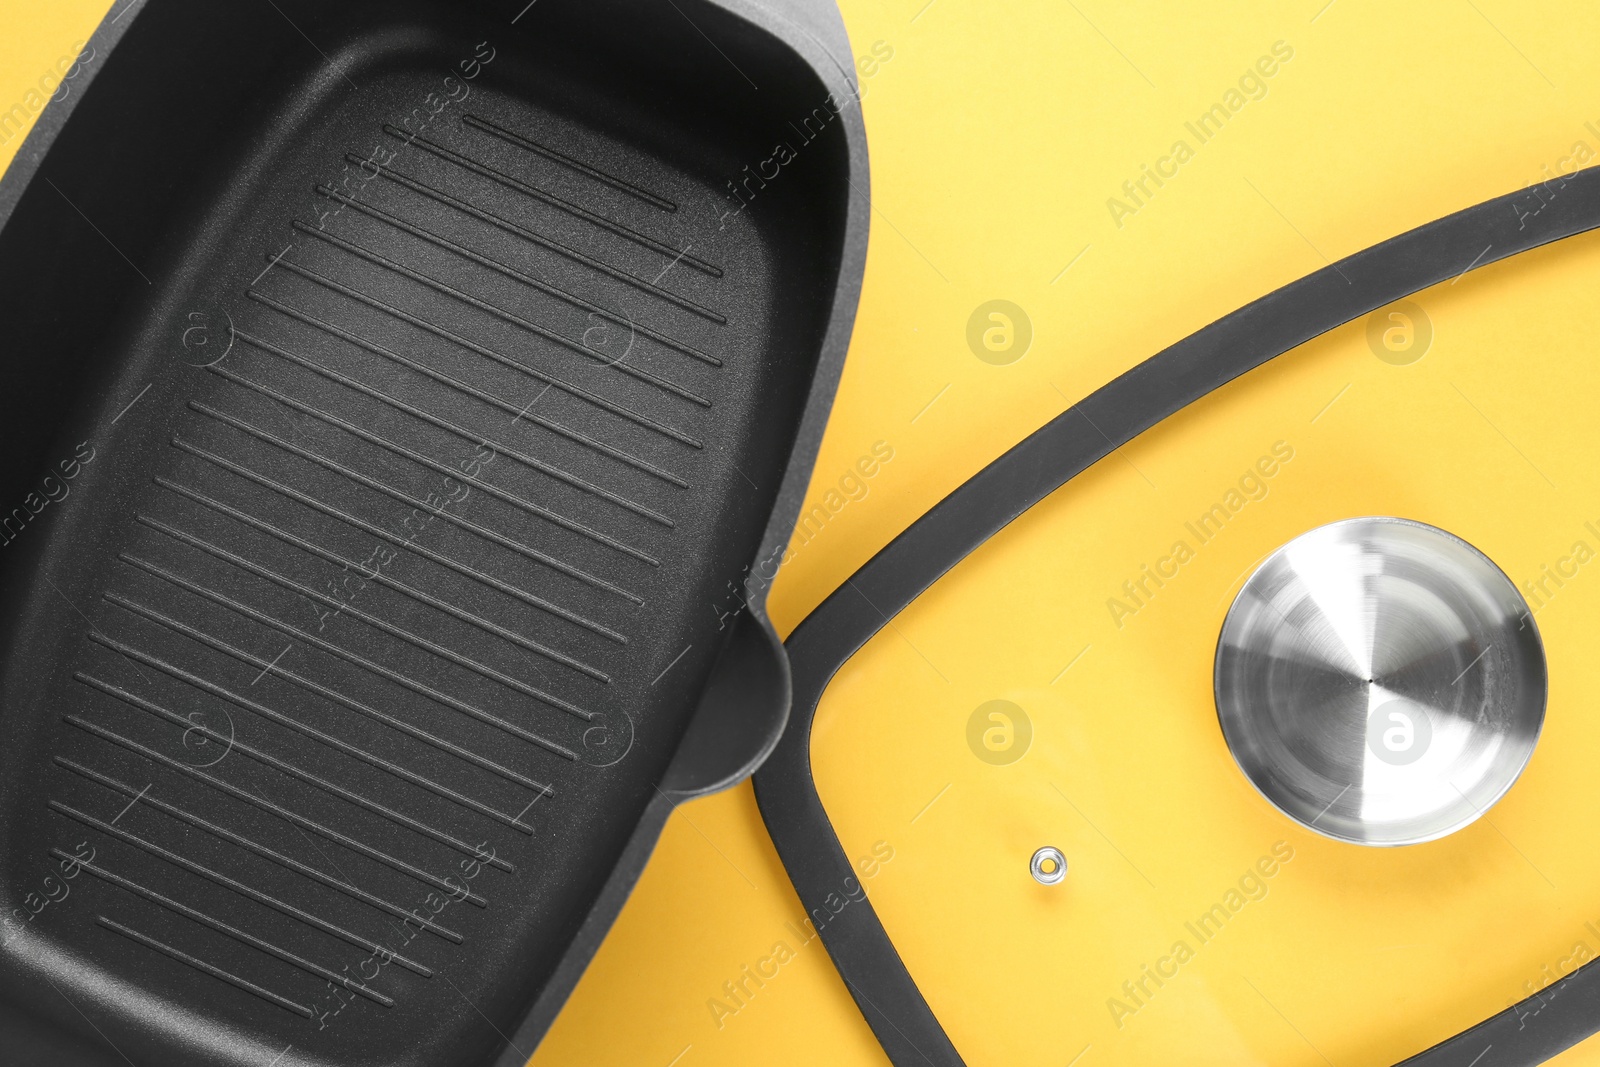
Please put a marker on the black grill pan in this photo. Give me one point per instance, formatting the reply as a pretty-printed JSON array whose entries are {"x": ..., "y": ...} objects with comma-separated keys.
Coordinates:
[{"x": 397, "y": 398}]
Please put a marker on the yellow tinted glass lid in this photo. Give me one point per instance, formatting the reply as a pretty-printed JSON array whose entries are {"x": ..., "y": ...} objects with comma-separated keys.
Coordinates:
[{"x": 1053, "y": 690}]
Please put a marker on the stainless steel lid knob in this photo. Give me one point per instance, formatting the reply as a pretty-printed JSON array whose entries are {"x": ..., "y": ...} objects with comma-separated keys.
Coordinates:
[{"x": 1380, "y": 681}]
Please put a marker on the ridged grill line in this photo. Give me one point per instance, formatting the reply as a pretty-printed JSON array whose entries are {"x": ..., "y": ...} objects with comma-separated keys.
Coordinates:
[
  {"x": 205, "y": 968},
  {"x": 495, "y": 491},
  {"x": 349, "y": 657},
  {"x": 577, "y": 392},
  {"x": 300, "y": 963},
  {"x": 271, "y": 808},
  {"x": 399, "y": 634},
  {"x": 507, "y": 271},
  {"x": 288, "y": 722},
  {"x": 526, "y": 551},
  {"x": 266, "y": 759},
  {"x": 550, "y": 199},
  {"x": 486, "y": 580},
  {"x": 518, "y": 414},
  {"x": 288, "y": 863},
  {"x": 620, "y": 184},
  {"x": 267, "y": 900},
  {"x": 381, "y": 578},
  {"x": 504, "y": 315},
  {"x": 439, "y": 196},
  {"x": 449, "y": 252},
  {"x": 318, "y": 690},
  {"x": 538, "y": 466}
]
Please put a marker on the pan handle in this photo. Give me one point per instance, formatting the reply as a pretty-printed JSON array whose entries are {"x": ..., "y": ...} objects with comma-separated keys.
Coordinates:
[{"x": 741, "y": 715}]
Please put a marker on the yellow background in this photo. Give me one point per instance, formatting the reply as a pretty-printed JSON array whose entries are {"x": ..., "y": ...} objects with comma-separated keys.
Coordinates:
[{"x": 998, "y": 132}]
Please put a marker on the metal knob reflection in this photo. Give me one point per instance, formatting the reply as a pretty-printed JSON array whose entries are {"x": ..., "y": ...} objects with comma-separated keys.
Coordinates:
[{"x": 1380, "y": 681}]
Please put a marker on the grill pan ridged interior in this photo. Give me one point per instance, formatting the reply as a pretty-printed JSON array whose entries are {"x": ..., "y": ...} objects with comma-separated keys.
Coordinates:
[{"x": 417, "y": 429}]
